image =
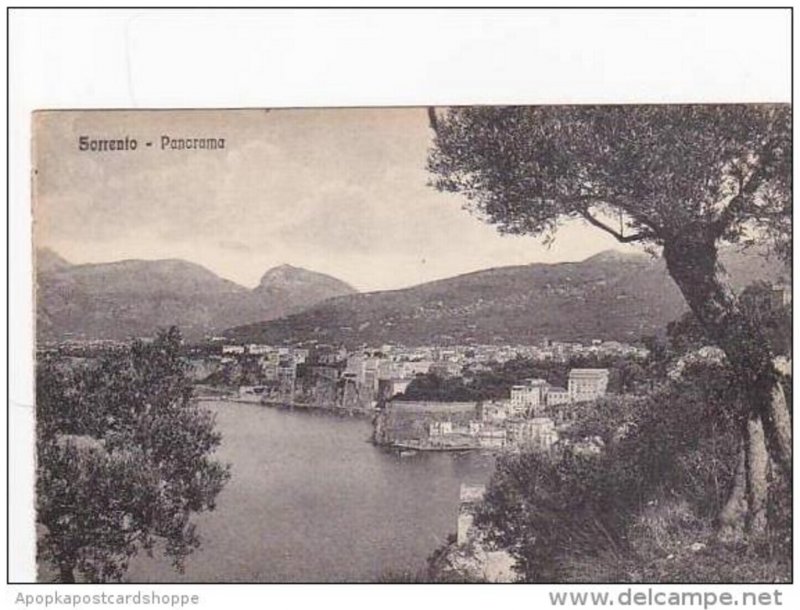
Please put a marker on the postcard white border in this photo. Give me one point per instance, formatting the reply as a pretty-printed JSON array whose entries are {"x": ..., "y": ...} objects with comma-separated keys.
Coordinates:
[{"x": 216, "y": 59}]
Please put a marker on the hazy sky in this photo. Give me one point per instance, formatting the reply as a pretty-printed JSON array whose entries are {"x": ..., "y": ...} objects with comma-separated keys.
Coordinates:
[{"x": 343, "y": 192}]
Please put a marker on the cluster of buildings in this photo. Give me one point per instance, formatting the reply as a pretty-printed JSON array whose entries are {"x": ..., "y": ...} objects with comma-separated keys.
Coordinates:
[
  {"x": 84, "y": 347},
  {"x": 776, "y": 297},
  {"x": 276, "y": 370},
  {"x": 358, "y": 379},
  {"x": 368, "y": 377},
  {"x": 535, "y": 394},
  {"x": 376, "y": 379},
  {"x": 562, "y": 351},
  {"x": 266, "y": 352},
  {"x": 529, "y": 418}
]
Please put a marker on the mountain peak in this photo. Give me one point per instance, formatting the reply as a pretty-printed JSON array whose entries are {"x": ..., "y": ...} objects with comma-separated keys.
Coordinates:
[
  {"x": 615, "y": 256},
  {"x": 48, "y": 259},
  {"x": 134, "y": 297},
  {"x": 612, "y": 295},
  {"x": 282, "y": 270},
  {"x": 286, "y": 274},
  {"x": 303, "y": 286}
]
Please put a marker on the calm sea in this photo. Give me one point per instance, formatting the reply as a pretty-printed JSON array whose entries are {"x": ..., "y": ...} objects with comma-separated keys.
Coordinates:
[{"x": 310, "y": 499}]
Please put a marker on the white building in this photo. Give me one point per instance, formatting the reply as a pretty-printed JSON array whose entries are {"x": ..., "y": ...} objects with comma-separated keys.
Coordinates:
[
  {"x": 440, "y": 428},
  {"x": 587, "y": 384},
  {"x": 300, "y": 355},
  {"x": 258, "y": 350},
  {"x": 416, "y": 367},
  {"x": 388, "y": 388},
  {"x": 492, "y": 438},
  {"x": 529, "y": 397},
  {"x": 538, "y": 433},
  {"x": 495, "y": 411},
  {"x": 557, "y": 396}
]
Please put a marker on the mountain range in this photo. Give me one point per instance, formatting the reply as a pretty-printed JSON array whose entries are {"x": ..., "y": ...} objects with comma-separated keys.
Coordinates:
[
  {"x": 134, "y": 297},
  {"x": 607, "y": 296},
  {"x": 610, "y": 296}
]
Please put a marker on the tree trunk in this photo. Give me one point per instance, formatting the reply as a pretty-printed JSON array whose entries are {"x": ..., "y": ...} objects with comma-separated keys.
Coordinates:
[
  {"x": 780, "y": 423},
  {"x": 757, "y": 467},
  {"x": 733, "y": 514},
  {"x": 66, "y": 574},
  {"x": 746, "y": 507},
  {"x": 692, "y": 263}
]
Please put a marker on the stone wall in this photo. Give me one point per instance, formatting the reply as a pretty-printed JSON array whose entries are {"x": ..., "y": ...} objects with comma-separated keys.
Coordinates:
[{"x": 402, "y": 421}]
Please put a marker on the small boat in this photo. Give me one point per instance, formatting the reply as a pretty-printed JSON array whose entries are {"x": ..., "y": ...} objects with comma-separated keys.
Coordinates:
[{"x": 407, "y": 452}]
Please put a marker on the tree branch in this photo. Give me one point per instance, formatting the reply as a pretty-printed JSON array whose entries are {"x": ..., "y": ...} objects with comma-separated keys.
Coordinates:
[
  {"x": 628, "y": 208},
  {"x": 625, "y": 239},
  {"x": 738, "y": 203},
  {"x": 433, "y": 122}
]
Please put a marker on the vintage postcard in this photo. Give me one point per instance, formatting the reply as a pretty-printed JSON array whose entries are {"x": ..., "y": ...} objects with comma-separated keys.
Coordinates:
[{"x": 451, "y": 344}]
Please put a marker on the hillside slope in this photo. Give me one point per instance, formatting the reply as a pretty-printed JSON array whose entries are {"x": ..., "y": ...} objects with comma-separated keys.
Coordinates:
[
  {"x": 608, "y": 296},
  {"x": 135, "y": 297}
]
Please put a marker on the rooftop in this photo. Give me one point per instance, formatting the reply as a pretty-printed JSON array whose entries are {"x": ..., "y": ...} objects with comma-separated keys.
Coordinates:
[{"x": 593, "y": 373}]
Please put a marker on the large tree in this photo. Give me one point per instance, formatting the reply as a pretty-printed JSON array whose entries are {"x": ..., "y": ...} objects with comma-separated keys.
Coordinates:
[
  {"x": 679, "y": 179},
  {"x": 124, "y": 459}
]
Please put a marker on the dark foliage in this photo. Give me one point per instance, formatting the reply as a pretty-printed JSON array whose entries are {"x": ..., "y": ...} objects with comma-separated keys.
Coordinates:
[
  {"x": 625, "y": 376},
  {"x": 682, "y": 180},
  {"x": 666, "y": 171},
  {"x": 124, "y": 458},
  {"x": 439, "y": 389},
  {"x": 761, "y": 306},
  {"x": 676, "y": 448}
]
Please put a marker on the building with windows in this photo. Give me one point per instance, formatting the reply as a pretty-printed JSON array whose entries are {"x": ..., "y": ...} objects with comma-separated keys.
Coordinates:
[
  {"x": 587, "y": 384},
  {"x": 440, "y": 428},
  {"x": 255, "y": 349},
  {"x": 538, "y": 433},
  {"x": 416, "y": 367},
  {"x": 300, "y": 355},
  {"x": 528, "y": 397},
  {"x": 389, "y": 388},
  {"x": 557, "y": 396},
  {"x": 494, "y": 411},
  {"x": 445, "y": 368},
  {"x": 780, "y": 296}
]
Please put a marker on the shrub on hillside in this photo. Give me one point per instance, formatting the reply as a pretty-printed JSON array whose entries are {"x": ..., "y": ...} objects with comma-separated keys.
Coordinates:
[{"x": 653, "y": 492}]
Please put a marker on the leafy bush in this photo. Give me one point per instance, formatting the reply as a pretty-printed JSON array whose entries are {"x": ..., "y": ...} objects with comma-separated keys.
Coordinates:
[
  {"x": 654, "y": 490},
  {"x": 124, "y": 459}
]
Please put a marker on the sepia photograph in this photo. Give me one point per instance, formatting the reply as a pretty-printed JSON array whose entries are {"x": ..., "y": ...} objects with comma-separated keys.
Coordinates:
[{"x": 537, "y": 343}]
